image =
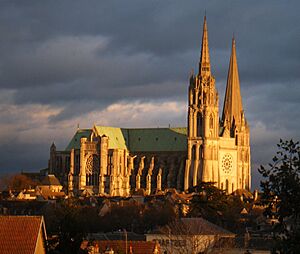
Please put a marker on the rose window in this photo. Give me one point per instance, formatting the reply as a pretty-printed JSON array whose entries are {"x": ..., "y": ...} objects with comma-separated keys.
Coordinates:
[{"x": 227, "y": 163}]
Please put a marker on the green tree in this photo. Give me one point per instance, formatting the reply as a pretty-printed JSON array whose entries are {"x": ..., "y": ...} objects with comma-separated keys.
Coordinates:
[
  {"x": 281, "y": 195},
  {"x": 214, "y": 205}
]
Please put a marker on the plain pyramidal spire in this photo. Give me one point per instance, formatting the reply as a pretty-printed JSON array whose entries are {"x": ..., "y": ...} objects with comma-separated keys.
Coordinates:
[
  {"x": 204, "y": 64},
  {"x": 233, "y": 107}
]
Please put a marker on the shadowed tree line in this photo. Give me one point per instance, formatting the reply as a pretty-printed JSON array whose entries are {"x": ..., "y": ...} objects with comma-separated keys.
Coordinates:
[
  {"x": 17, "y": 182},
  {"x": 215, "y": 206},
  {"x": 281, "y": 196},
  {"x": 72, "y": 221}
]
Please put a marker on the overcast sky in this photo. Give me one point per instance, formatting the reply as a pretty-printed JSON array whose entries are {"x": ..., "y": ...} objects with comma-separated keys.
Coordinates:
[{"x": 126, "y": 63}]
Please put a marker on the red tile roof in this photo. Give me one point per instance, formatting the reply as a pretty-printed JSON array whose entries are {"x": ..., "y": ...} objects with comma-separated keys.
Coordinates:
[
  {"x": 19, "y": 234},
  {"x": 137, "y": 247}
]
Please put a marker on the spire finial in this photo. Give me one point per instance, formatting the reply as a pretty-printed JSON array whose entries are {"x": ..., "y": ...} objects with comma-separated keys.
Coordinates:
[
  {"x": 204, "y": 64},
  {"x": 233, "y": 39}
]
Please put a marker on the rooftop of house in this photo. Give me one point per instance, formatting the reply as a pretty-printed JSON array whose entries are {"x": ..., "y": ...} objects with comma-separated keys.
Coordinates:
[
  {"x": 19, "y": 234},
  {"x": 47, "y": 194},
  {"x": 202, "y": 226},
  {"x": 194, "y": 226},
  {"x": 136, "y": 247},
  {"x": 50, "y": 180},
  {"x": 116, "y": 235}
]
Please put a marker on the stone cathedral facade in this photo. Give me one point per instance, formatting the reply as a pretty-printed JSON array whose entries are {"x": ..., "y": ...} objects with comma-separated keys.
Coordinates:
[
  {"x": 218, "y": 150},
  {"x": 117, "y": 161}
]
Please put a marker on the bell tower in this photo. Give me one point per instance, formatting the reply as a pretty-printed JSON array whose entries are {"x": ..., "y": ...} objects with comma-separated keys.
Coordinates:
[
  {"x": 203, "y": 122},
  {"x": 236, "y": 127}
]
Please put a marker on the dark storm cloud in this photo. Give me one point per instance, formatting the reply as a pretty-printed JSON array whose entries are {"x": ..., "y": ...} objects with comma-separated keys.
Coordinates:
[
  {"x": 78, "y": 56},
  {"x": 23, "y": 158},
  {"x": 40, "y": 40}
]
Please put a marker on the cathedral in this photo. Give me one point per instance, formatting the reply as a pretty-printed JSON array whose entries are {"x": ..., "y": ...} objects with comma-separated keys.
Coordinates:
[{"x": 117, "y": 161}]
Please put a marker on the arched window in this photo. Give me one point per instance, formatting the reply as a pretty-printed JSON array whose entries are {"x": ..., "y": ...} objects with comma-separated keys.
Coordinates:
[
  {"x": 199, "y": 125},
  {"x": 92, "y": 170},
  {"x": 193, "y": 152},
  {"x": 211, "y": 122},
  {"x": 201, "y": 151},
  {"x": 77, "y": 164}
]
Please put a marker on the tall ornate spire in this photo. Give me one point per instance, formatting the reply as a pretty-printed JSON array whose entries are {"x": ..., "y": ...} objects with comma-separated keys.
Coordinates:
[
  {"x": 204, "y": 64},
  {"x": 233, "y": 107}
]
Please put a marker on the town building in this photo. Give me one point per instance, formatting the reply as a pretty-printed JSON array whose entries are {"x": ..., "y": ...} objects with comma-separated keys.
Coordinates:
[
  {"x": 22, "y": 234},
  {"x": 121, "y": 246},
  {"x": 118, "y": 161},
  {"x": 191, "y": 235}
]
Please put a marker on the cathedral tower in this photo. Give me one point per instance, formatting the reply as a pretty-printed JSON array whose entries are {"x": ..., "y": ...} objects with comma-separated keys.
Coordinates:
[
  {"x": 203, "y": 122},
  {"x": 217, "y": 151},
  {"x": 235, "y": 126}
]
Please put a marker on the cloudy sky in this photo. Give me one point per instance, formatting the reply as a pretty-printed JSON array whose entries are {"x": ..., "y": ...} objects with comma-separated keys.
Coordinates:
[{"x": 126, "y": 63}]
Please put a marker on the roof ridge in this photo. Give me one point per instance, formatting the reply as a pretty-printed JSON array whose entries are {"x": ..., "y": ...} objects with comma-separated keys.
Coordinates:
[
  {"x": 18, "y": 216},
  {"x": 141, "y": 128}
]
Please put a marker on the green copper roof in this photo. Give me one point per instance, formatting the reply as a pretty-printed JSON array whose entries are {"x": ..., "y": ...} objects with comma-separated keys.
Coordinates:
[
  {"x": 117, "y": 139},
  {"x": 157, "y": 139},
  {"x": 137, "y": 140},
  {"x": 75, "y": 141}
]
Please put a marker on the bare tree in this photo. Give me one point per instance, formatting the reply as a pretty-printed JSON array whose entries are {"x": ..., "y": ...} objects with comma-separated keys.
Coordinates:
[
  {"x": 16, "y": 182},
  {"x": 192, "y": 236}
]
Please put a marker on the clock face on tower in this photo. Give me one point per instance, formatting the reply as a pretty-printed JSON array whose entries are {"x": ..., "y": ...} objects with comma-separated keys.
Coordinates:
[{"x": 227, "y": 163}]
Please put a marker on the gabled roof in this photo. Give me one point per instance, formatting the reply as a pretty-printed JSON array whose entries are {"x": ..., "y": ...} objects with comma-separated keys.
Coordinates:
[
  {"x": 204, "y": 227},
  {"x": 50, "y": 180},
  {"x": 75, "y": 141},
  {"x": 117, "y": 136},
  {"x": 195, "y": 226},
  {"x": 137, "y": 140},
  {"x": 19, "y": 234}
]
